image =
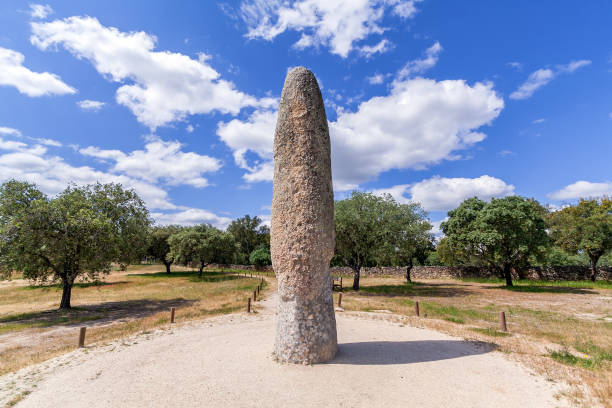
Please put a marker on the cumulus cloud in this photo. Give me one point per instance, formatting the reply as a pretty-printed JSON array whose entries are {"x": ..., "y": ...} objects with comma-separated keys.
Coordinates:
[
  {"x": 13, "y": 73},
  {"x": 9, "y": 131},
  {"x": 541, "y": 77},
  {"x": 40, "y": 11},
  {"x": 583, "y": 189},
  {"x": 89, "y": 105},
  {"x": 444, "y": 194},
  {"x": 159, "y": 161},
  {"x": 376, "y": 79},
  {"x": 419, "y": 123},
  {"x": 380, "y": 48},
  {"x": 337, "y": 24},
  {"x": 159, "y": 87},
  {"x": 191, "y": 216},
  {"x": 419, "y": 66}
]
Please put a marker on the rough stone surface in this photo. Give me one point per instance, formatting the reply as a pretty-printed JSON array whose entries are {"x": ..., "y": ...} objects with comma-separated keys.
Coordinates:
[{"x": 302, "y": 227}]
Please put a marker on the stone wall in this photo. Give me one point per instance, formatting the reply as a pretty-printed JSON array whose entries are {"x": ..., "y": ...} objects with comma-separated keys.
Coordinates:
[{"x": 453, "y": 272}]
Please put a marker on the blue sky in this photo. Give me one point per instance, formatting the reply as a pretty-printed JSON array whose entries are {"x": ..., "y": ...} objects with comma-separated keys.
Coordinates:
[{"x": 431, "y": 101}]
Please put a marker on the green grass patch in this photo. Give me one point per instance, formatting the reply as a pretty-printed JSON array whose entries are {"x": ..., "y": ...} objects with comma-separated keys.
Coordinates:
[
  {"x": 451, "y": 312},
  {"x": 490, "y": 332},
  {"x": 454, "y": 320},
  {"x": 568, "y": 358},
  {"x": 542, "y": 284}
]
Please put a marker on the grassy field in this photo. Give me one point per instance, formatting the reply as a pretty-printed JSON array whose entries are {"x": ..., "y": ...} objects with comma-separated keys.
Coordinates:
[
  {"x": 33, "y": 330},
  {"x": 561, "y": 329}
]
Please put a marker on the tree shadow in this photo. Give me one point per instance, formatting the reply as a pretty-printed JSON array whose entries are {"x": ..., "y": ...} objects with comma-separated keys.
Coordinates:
[
  {"x": 545, "y": 289},
  {"x": 95, "y": 314},
  {"x": 413, "y": 289},
  {"x": 76, "y": 285},
  {"x": 407, "y": 352},
  {"x": 193, "y": 276}
]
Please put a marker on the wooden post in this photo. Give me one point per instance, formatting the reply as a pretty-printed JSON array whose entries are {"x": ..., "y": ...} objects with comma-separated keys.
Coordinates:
[
  {"x": 82, "y": 337},
  {"x": 254, "y": 296},
  {"x": 249, "y": 305},
  {"x": 340, "y": 286},
  {"x": 258, "y": 288},
  {"x": 416, "y": 308},
  {"x": 340, "y": 299},
  {"x": 502, "y": 318},
  {"x": 172, "y": 315}
]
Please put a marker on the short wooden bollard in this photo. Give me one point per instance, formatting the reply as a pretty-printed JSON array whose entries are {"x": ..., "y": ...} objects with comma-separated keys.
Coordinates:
[
  {"x": 416, "y": 308},
  {"x": 340, "y": 299},
  {"x": 172, "y": 315},
  {"x": 340, "y": 285},
  {"x": 254, "y": 296},
  {"x": 502, "y": 320},
  {"x": 82, "y": 336},
  {"x": 249, "y": 305}
]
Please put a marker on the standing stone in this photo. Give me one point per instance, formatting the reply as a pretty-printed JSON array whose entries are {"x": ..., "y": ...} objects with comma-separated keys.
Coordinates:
[{"x": 302, "y": 230}]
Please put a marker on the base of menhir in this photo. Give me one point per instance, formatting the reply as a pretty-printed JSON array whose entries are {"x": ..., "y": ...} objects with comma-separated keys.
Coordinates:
[{"x": 306, "y": 330}]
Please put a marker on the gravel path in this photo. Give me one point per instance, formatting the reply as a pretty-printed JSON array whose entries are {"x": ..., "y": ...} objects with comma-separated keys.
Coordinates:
[{"x": 227, "y": 362}]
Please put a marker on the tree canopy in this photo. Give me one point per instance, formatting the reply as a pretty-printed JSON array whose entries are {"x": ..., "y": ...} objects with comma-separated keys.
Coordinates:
[
  {"x": 503, "y": 233},
  {"x": 159, "y": 248},
  {"x": 249, "y": 233},
  {"x": 202, "y": 244},
  {"x": 585, "y": 227},
  {"x": 77, "y": 234},
  {"x": 376, "y": 230}
]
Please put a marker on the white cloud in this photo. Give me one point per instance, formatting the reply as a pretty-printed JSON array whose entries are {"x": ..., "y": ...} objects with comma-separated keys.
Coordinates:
[
  {"x": 48, "y": 142},
  {"x": 189, "y": 129},
  {"x": 376, "y": 79},
  {"x": 583, "y": 189},
  {"x": 419, "y": 123},
  {"x": 419, "y": 66},
  {"x": 435, "y": 228},
  {"x": 337, "y": 24},
  {"x": 9, "y": 131},
  {"x": 444, "y": 194},
  {"x": 159, "y": 87},
  {"x": 90, "y": 105},
  {"x": 160, "y": 160},
  {"x": 541, "y": 77},
  {"x": 538, "y": 121},
  {"x": 191, "y": 216},
  {"x": 504, "y": 153},
  {"x": 610, "y": 115},
  {"x": 515, "y": 65},
  {"x": 13, "y": 73},
  {"x": 40, "y": 11},
  {"x": 255, "y": 135},
  {"x": 381, "y": 47}
]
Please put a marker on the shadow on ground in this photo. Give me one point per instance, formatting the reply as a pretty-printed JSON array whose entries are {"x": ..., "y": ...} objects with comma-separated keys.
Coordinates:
[
  {"x": 406, "y": 352},
  {"x": 545, "y": 289},
  {"x": 99, "y": 313},
  {"x": 412, "y": 289},
  {"x": 191, "y": 275}
]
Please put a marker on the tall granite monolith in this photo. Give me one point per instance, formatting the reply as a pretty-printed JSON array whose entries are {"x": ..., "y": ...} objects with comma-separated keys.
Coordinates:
[{"x": 302, "y": 230}]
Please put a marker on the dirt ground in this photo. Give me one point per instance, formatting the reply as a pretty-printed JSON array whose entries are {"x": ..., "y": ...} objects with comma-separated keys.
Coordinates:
[{"x": 227, "y": 361}]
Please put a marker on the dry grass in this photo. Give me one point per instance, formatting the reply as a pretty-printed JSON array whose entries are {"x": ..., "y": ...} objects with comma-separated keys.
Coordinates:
[
  {"x": 562, "y": 331},
  {"x": 33, "y": 330}
]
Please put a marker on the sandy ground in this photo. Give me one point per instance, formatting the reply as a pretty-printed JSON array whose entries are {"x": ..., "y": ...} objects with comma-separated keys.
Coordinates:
[{"x": 227, "y": 362}]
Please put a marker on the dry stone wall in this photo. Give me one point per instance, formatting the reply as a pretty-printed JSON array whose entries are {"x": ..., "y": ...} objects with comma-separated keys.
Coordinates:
[{"x": 454, "y": 272}]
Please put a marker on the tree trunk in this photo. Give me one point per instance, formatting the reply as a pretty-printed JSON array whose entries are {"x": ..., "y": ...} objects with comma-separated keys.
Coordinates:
[
  {"x": 356, "y": 272},
  {"x": 594, "y": 260},
  {"x": 66, "y": 292},
  {"x": 508, "y": 274},
  {"x": 167, "y": 266},
  {"x": 408, "y": 269},
  {"x": 201, "y": 270}
]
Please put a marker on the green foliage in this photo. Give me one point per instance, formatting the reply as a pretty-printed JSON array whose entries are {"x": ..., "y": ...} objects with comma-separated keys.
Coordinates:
[
  {"x": 261, "y": 257},
  {"x": 586, "y": 227},
  {"x": 375, "y": 230},
  {"x": 503, "y": 234},
  {"x": 159, "y": 248},
  {"x": 202, "y": 244},
  {"x": 249, "y": 233},
  {"x": 490, "y": 332},
  {"x": 77, "y": 234}
]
